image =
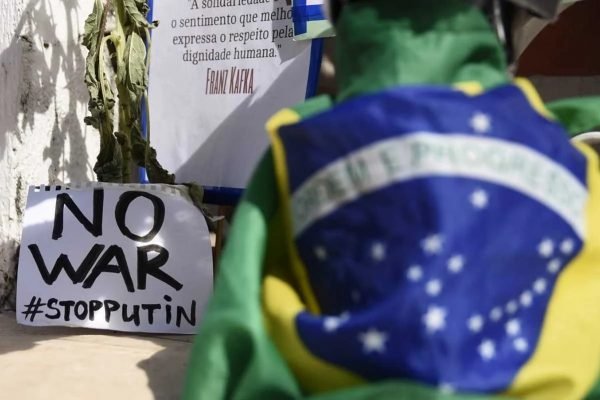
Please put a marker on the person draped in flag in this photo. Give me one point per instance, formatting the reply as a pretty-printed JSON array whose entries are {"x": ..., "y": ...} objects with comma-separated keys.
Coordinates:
[{"x": 431, "y": 233}]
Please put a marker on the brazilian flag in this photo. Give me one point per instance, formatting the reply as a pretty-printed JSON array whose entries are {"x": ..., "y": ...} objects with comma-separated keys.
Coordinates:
[{"x": 416, "y": 240}]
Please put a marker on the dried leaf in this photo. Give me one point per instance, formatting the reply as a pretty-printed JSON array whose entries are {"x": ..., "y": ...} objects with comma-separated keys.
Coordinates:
[
  {"x": 93, "y": 27},
  {"x": 109, "y": 162},
  {"x": 136, "y": 16},
  {"x": 135, "y": 63},
  {"x": 156, "y": 173}
]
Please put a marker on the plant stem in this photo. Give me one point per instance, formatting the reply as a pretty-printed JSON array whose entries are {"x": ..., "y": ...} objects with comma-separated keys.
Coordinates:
[{"x": 124, "y": 111}]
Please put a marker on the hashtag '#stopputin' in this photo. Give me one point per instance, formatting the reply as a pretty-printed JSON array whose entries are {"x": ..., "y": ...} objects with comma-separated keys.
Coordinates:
[{"x": 33, "y": 308}]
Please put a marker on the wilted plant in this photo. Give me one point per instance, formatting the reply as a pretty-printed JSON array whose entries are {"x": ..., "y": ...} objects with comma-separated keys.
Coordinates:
[{"x": 117, "y": 80}]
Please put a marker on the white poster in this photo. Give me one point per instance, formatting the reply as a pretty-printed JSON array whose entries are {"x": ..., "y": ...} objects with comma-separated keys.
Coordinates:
[
  {"x": 219, "y": 70},
  {"x": 132, "y": 258}
]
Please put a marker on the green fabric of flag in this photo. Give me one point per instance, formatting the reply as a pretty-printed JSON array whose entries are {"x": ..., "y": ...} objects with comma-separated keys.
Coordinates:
[
  {"x": 578, "y": 115},
  {"x": 381, "y": 44}
]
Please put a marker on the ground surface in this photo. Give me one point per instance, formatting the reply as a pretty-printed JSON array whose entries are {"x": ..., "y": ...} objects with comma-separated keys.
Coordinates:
[{"x": 65, "y": 364}]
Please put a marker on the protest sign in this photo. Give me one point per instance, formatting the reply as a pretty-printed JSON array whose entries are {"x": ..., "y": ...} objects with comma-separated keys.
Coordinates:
[
  {"x": 219, "y": 70},
  {"x": 118, "y": 257}
]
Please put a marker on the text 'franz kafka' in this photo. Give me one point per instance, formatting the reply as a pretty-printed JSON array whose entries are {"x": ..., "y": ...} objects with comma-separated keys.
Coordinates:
[{"x": 230, "y": 81}]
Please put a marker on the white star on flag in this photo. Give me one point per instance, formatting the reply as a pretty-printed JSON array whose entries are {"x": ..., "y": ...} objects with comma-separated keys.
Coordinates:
[
  {"x": 539, "y": 286},
  {"x": 320, "y": 253},
  {"x": 435, "y": 319},
  {"x": 481, "y": 123},
  {"x": 456, "y": 264},
  {"x": 567, "y": 246},
  {"x": 512, "y": 307},
  {"x": 513, "y": 327},
  {"x": 432, "y": 244},
  {"x": 331, "y": 324},
  {"x": 415, "y": 273},
  {"x": 378, "y": 251},
  {"x": 546, "y": 248},
  {"x": 475, "y": 323},
  {"x": 446, "y": 388},
  {"x": 433, "y": 287},
  {"x": 373, "y": 341},
  {"x": 521, "y": 345},
  {"x": 487, "y": 350},
  {"x": 479, "y": 199},
  {"x": 554, "y": 266},
  {"x": 496, "y": 314},
  {"x": 526, "y": 299}
]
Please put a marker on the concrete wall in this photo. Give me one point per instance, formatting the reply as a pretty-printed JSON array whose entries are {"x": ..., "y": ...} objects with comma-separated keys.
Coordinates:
[{"x": 43, "y": 101}]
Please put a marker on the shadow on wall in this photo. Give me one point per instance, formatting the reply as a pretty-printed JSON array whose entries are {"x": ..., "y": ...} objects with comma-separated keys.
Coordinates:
[
  {"x": 42, "y": 106},
  {"x": 8, "y": 255},
  {"x": 41, "y": 72}
]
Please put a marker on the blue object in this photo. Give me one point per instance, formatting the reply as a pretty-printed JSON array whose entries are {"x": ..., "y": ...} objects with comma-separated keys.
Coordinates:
[
  {"x": 429, "y": 236},
  {"x": 302, "y": 14}
]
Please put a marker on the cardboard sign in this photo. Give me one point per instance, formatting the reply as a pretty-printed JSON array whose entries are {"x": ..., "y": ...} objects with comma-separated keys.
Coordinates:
[
  {"x": 219, "y": 70},
  {"x": 119, "y": 257}
]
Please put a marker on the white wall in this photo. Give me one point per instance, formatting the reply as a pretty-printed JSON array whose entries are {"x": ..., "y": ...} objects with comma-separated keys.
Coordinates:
[{"x": 43, "y": 101}]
